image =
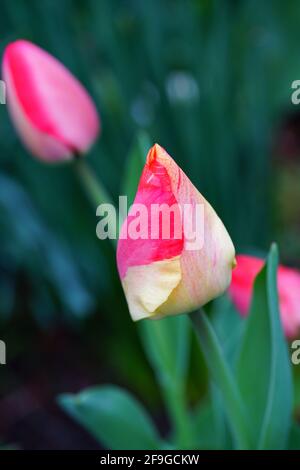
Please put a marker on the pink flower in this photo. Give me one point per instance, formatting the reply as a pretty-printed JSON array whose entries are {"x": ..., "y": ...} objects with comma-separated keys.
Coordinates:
[
  {"x": 288, "y": 290},
  {"x": 171, "y": 275},
  {"x": 52, "y": 112}
]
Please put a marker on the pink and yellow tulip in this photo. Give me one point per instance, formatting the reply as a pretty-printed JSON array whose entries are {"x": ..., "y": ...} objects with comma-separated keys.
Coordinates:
[{"x": 164, "y": 276}]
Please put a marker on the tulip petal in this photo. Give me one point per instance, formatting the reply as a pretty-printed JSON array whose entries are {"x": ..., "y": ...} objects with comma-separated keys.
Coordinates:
[
  {"x": 52, "y": 111},
  {"x": 148, "y": 287}
]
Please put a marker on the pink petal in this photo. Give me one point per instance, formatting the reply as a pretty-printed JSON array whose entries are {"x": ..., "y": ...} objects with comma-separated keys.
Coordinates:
[
  {"x": 52, "y": 111},
  {"x": 154, "y": 188}
]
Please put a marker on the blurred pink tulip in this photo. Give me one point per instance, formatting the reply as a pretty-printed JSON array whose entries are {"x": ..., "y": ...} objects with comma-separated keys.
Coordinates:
[
  {"x": 166, "y": 276},
  {"x": 288, "y": 291},
  {"x": 51, "y": 110}
]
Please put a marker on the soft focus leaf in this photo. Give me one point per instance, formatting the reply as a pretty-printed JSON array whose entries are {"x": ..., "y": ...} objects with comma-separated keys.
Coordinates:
[
  {"x": 166, "y": 343},
  {"x": 29, "y": 244},
  {"x": 294, "y": 437},
  {"x": 229, "y": 327},
  {"x": 210, "y": 420},
  {"x": 211, "y": 428},
  {"x": 264, "y": 369},
  {"x": 113, "y": 417}
]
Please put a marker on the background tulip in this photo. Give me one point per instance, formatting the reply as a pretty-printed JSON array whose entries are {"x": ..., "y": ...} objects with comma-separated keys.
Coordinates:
[
  {"x": 53, "y": 113},
  {"x": 288, "y": 290},
  {"x": 161, "y": 276}
]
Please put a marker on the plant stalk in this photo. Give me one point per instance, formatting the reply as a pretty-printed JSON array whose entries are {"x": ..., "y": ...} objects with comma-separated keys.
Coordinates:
[
  {"x": 97, "y": 193},
  {"x": 222, "y": 376}
]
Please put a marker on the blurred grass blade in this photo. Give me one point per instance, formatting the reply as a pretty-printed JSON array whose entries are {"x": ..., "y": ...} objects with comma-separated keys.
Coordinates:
[
  {"x": 264, "y": 369},
  {"x": 223, "y": 378},
  {"x": 211, "y": 430},
  {"x": 29, "y": 244},
  {"x": 294, "y": 438},
  {"x": 210, "y": 418},
  {"x": 167, "y": 345},
  {"x": 113, "y": 417}
]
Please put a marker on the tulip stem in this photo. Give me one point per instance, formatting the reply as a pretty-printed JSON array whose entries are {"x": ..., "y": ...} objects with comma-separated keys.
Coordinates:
[
  {"x": 222, "y": 376},
  {"x": 91, "y": 182},
  {"x": 95, "y": 190}
]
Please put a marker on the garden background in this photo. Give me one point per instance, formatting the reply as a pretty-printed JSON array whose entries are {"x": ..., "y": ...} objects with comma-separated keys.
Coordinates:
[{"x": 211, "y": 82}]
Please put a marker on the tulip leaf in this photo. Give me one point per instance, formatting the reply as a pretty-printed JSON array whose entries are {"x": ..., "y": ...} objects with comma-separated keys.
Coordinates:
[
  {"x": 210, "y": 419},
  {"x": 229, "y": 327},
  {"x": 113, "y": 417},
  {"x": 166, "y": 343},
  {"x": 211, "y": 427},
  {"x": 263, "y": 366}
]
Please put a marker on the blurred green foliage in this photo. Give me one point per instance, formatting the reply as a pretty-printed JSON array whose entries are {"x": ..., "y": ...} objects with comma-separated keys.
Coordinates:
[{"x": 208, "y": 80}]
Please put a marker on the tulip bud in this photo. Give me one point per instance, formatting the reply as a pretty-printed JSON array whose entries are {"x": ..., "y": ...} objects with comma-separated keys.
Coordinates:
[
  {"x": 52, "y": 112},
  {"x": 166, "y": 275},
  {"x": 241, "y": 289}
]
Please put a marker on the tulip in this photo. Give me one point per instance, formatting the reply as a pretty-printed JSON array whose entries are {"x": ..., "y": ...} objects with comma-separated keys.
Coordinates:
[
  {"x": 53, "y": 113},
  {"x": 241, "y": 289},
  {"x": 167, "y": 275}
]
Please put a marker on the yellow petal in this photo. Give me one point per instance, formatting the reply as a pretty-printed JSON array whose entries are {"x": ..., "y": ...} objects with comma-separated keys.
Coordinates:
[{"x": 149, "y": 286}]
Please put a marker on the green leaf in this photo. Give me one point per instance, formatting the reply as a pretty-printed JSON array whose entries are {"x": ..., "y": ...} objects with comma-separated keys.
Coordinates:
[
  {"x": 113, "y": 417},
  {"x": 222, "y": 376},
  {"x": 210, "y": 418},
  {"x": 264, "y": 369},
  {"x": 211, "y": 427},
  {"x": 294, "y": 438},
  {"x": 228, "y": 325},
  {"x": 134, "y": 165},
  {"x": 166, "y": 343}
]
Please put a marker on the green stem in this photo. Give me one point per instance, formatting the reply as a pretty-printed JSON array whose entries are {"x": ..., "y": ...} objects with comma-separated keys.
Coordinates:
[
  {"x": 95, "y": 189},
  {"x": 173, "y": 389},
  {"x": 223, "y": 378}
]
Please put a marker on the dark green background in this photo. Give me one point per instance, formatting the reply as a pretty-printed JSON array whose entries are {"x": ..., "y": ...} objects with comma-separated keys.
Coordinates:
[{"x": 211, "y": 82}]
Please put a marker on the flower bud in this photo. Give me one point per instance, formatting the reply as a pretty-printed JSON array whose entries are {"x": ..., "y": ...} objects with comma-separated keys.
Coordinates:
[
  {"x": 241, "y": 290},
  {"x": 176, "y": 272},
  {"x": 51, "y": 110}
]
